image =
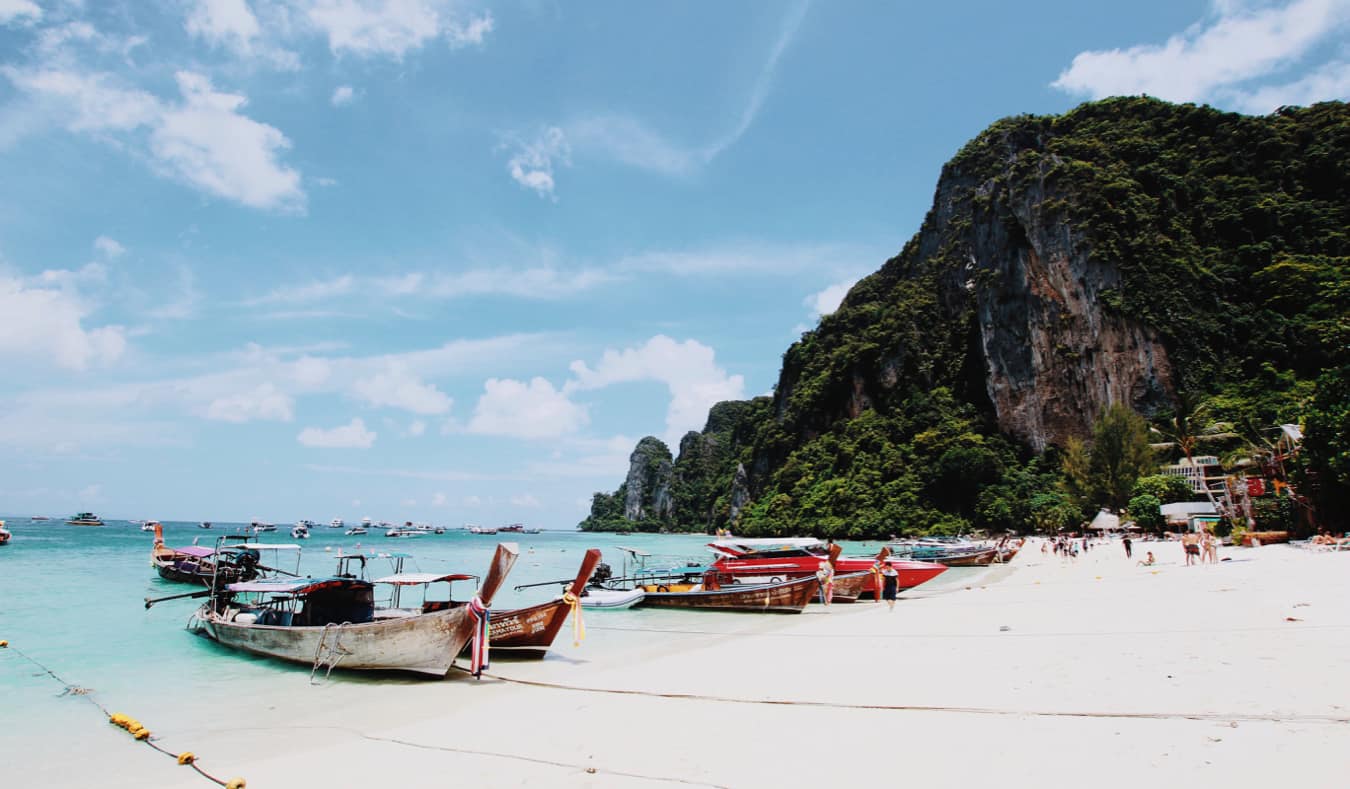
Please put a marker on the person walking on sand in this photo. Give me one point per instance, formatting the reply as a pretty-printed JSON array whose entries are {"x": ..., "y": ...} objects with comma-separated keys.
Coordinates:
[
  {"x": 890, "y": 584},
  {"x": 1126, "y": 542}
]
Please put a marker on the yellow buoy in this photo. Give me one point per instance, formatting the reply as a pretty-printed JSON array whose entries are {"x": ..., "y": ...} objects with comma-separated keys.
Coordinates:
[
  {"x": 186, "y": 757},
  {"x": 3, "y": 644},
  {"x": 235, "y": 783},
  {"x": 141, "y": 734}
]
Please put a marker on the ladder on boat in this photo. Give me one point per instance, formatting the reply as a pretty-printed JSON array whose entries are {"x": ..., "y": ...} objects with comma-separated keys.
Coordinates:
[{"x": 328, "y": 654}]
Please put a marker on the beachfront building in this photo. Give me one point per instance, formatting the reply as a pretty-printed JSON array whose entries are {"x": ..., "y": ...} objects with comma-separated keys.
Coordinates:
[
  {"x": 1205, "y": 471},
  {"x": 1184, "y": 514}
]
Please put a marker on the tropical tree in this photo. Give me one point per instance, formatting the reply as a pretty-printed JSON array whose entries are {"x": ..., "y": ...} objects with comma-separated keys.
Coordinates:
[
  {"x": 1104, "y": 472},
  {"x": 1190, "y": 425}
]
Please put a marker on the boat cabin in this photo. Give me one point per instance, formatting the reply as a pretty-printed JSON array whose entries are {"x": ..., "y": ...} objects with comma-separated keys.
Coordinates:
[
  {"x": 417, "y": 588},
  {"x": 301, "y": 602}
]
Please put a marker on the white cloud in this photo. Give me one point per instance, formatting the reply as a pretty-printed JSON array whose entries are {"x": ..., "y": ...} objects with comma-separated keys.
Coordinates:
[
  {"x": 343, "y": 95},
  {"x": 829, "y": 299},
  {"x": 392, "y": 28},
  {"x": 525, "y": 500},
  {"x": 263, "y": 402},
  {"x": 44, "y": 321},
  {"x": 688, "y": 370},
  {"x": 209, "y": 144},
  {"x": 1331, "y": 81},
  {"x": 26, "y": 10},
  {"x": 532, "y": 164},
  {"x": 309, "y": 292},
  {"x": 229, "y": 23},
  {"x": 108, "y": 247},
  {"x": 416, "y": 428},
  {"x": 472, "y": 501},
  {"x": 203, "y": 141},
  {"x": 396, "y": 387},
  {"x": 525, "y": 410},
  {"x": 438, "y": 500},
  {"x": 352, "y": 435},
  {"x": 1211, "y": 61}
]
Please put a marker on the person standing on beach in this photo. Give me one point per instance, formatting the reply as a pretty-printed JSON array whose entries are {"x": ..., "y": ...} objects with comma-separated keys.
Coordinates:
[
  {"x": 890, "y": 584},
  {"x": 1190, "y": 543},
  {"x": 1209, "y": 549},
  {"x": 1126, "y": 542}
]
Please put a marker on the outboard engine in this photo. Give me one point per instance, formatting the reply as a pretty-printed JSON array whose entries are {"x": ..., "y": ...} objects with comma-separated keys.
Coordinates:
[{"x": 603, "y": 572}]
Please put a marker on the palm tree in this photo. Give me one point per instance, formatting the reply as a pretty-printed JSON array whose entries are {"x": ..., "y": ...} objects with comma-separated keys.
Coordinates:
[{"x": 1190, "y": 425}]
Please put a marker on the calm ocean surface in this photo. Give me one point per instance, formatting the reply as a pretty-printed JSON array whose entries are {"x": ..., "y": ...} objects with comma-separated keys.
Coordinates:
[{"x": 72, "y": 598}]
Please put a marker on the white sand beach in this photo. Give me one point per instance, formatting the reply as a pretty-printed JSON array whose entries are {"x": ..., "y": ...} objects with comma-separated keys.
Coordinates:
[{"x": 1047, "y": 672}]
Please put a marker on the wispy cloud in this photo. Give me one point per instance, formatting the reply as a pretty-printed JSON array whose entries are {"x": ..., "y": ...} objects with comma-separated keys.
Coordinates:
[
  {"x": 633, "y": 142},
  {"x": 1222, "y": 59},
  {"x": 533, "y": 162},
  {"x": 352, "y": 435},
  {"x": 828, "y": 300}
]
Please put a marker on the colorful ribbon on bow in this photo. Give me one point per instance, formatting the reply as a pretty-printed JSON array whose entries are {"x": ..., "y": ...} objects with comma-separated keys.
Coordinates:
[
  {"x": 479, "y": 656},
  {"x": 578, "y": 626},
  {"x": 876, "y": 580}
]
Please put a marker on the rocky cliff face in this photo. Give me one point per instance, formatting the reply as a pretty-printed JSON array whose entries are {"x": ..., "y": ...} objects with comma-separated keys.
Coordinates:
[
  {"x": 647, "y": 486},
  {"x": 1052, "y": 351}
]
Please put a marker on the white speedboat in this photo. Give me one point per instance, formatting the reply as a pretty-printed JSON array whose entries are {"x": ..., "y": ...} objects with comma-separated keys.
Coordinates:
[
  {"x": 611, "y": 599},
  {"x": 404, "y": 533},
  {"x": 336, "y": 523},
  {"x": 260, "y": 526},
  {"x": 355, "y": 530},
  {"x": 300, "y": 532}
]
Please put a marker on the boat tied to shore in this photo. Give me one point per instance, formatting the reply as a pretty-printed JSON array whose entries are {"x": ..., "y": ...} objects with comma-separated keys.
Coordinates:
[
  {"x": 334, "y": 622},
  {"x": 530, "y": 631}
]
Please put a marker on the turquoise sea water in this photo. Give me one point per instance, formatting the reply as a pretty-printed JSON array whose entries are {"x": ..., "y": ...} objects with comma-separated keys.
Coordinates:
[{"x": 72, "y": 597}]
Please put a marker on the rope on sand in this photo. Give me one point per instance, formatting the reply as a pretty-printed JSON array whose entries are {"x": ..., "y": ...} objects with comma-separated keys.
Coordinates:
[
  {"x": 1196, "y": 716},
  {"x": 133, "y": 727}
]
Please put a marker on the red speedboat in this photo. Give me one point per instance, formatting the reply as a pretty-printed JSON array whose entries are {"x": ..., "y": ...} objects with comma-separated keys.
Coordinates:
[{"x": 769, "y": 559}]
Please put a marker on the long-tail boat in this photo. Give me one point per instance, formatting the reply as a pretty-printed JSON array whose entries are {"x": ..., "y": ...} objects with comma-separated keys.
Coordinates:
[
  {"x": 196, "y": 564},
  {"x": 333, "y": 622},
  {"x": 755, "y": 560},
  {"x": 784, "y": 597},
  {"x": 848, "y": 588},
  {"x": 529, "y": 632}
]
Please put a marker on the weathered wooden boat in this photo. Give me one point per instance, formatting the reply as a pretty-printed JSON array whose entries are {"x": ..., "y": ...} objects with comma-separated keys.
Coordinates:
[
  {"x": 197, "y": 564},
  {"x": 329, "y": 623},
  {"x": 979, "y": 557},
  {"x": 847, "y": 588},
  {"x": 529, "y": 632},
  {"x": 784, "y": 597}
]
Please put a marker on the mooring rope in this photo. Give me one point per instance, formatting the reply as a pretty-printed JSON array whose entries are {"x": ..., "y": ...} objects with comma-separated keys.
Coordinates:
[
  {"x": 843, "y": 705},
  {"x": 132, "y": 726}
]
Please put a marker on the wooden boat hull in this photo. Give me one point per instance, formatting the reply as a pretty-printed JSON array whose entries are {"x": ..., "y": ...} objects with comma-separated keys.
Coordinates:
[
  {"x": 529, "y": 632},
  {"x": 976, "y": 559},
  {"x": 184, "y": 573},
  {"x": 425, "y": 644},
  {"x": 786, "y": 597},
  {"x": 847, "y": 588}
]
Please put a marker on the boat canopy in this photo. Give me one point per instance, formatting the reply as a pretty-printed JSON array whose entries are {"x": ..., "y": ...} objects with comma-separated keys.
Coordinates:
[
  {"x": 194, "y": 550},
  {"x": 414, "y": 579},
  {"x": 633, "y": 551},
  {"x": 297, "y": 586},
  {"x": 257, "y": 546}
]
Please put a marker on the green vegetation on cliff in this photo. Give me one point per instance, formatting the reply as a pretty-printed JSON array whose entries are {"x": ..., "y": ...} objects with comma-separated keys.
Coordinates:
[{"x": 1130, "y": 251}]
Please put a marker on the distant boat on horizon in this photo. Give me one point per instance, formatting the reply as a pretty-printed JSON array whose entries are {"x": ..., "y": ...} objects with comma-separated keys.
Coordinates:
[
  {"x": 39, "y": 518},
  {"x": 85, "y": 519}
]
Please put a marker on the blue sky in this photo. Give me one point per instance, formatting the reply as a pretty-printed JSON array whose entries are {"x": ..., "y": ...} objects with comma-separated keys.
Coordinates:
[{"x": 447, "y": 261}]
